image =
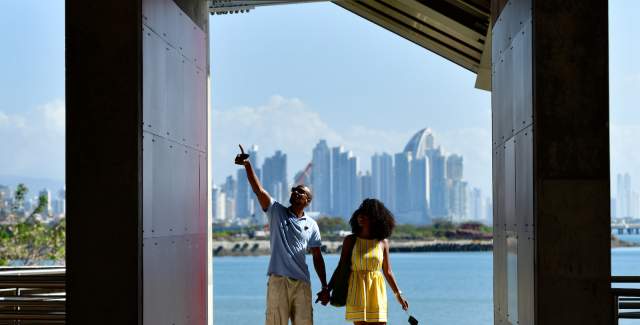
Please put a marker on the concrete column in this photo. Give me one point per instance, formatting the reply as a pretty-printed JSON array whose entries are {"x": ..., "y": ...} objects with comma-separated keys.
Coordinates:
[
  {"x": 138, "y": 227},
  {"x": 551, "y": 162}
]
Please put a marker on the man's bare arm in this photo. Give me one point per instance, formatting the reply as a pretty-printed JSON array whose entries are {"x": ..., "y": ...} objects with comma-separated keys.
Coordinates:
[
  {"x": 261, "y": 193},
  {"x": 318, "y": 264}
]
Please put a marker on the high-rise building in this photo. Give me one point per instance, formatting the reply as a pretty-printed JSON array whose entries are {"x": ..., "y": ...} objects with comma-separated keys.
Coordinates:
[
  {"x": 420, "y": 143},
  {"x": 403, "y": 182},
  {"x": 476, "y": 204},
  {"x": 383, "y": 179},
  {"x": 438, "y": 194},
  {"x": 366, "y": 186},
  {"x": 623, "y": 195},
  {"x": 354, "y": 191},
  {"x": 218, "y": 204},
  {"x": 457, "y": 200},
  {"x": 321, "y": 178},
  {"x": 274, "y": 176},
  {"x": 336, "y": 181},
  {"x": 244, "y": 204},
  {"x": 419, "y": 189},
  {"x": 58, "y": 204},
  {"x": 345, "y": 182},
  {"x": 454, "y": 167},
  {"x": 230, "y": 187}
]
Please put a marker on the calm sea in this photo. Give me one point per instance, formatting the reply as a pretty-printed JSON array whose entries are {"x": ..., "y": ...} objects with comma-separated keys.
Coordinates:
[{"x": 442, "y": 288}]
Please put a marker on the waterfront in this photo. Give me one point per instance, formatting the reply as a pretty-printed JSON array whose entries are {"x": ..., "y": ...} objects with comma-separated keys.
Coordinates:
[{"x": 442, "y": 288}]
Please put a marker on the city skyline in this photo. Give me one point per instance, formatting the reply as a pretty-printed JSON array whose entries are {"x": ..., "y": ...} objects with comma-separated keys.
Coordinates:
[{"x": 418, "y": 183}]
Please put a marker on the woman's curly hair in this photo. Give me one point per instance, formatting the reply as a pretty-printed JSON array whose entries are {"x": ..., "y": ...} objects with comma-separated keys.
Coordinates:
[{"x": 380, "y": 218}]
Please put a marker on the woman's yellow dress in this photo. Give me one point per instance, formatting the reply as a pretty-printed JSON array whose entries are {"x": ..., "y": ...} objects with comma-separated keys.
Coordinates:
[{"x": 367, "y": 297}]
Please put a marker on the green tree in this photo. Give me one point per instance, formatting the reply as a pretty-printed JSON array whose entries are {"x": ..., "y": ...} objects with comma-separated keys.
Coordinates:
[
  {"x": 331, "y": 225},
  {"x": 29, "y": 240}
]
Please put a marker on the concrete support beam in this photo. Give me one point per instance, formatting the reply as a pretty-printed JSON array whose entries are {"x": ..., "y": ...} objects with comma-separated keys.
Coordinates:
[
  {"x": 138, "y": 221},
  {"x": 103, "y": 162},
  {"x": 551, "y": 162}
]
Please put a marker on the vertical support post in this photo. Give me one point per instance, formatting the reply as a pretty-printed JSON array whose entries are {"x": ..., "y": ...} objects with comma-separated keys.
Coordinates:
[
  {"x": 550, "y": 121},
  {"x": 138, "y": 221},
  {"x": 103, "y": 162}
]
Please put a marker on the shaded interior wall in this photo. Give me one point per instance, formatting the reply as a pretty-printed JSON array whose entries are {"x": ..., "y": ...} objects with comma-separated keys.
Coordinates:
[
  {"x": 551, "y": 162},
  {"x": 175, "y": 163},
  {"x": 136, "y": 163},
  {"x": 103, "y": 162}
]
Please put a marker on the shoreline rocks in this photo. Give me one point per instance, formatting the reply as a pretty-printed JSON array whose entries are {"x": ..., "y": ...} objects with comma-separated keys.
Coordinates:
[{"x": 261, "y": 247}]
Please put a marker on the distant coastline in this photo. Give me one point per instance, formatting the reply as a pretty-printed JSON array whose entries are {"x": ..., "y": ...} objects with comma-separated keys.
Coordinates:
[
  {"x": 261, "y": 247},
  {"x": 258, "y": 247}
]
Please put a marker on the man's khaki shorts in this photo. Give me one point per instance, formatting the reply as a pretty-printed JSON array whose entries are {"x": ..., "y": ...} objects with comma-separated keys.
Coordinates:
[{"x": 288, "y": 298}]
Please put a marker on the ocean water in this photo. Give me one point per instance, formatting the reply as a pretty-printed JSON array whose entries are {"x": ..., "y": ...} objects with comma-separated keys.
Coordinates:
[
  {"x": 442, "y": 288},
  {"x": 629, "y": 238}
]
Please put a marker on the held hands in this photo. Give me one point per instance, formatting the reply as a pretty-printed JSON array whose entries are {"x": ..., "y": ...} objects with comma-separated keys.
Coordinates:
[
  {"x": 242, "y": 157},
  {"x": 323, "y": 296},
  {"x": 403, "y": 302}
]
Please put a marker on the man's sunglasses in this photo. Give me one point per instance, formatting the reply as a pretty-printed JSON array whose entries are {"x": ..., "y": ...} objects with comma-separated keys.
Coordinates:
[{"x": 299, "y": 190}]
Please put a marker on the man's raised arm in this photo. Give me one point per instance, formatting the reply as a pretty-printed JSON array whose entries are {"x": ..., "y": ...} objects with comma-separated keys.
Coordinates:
[{"x": 262, "y": 195}]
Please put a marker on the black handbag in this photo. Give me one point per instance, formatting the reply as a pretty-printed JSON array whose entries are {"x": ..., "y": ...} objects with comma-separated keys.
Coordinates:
[{"x": 339, "y": 283}]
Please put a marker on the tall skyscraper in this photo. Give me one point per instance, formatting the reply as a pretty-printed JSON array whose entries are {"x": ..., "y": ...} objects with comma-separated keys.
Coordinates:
[
  {"x": 383, "y": 179},
  {"x": 321, "y": 178},
  {"x": 366, "y": 186},
  {"x": 218, "y": 204},
  {"x": 454, "y": 167},
  {"x": 354, "y": 191},
  {"x": 438, "y": 194},
  {"x": 476, "y": 204},
  {"x": 274, "y": 176},
  {"x": 336, "y": 182},
  {"x": 624, "y": 195},
  {"x": 457, "y": 200},
  {"x": 403, "y": 181},
  {"x": 345, "y": 182},
  {"x": 419, "y": 188},
  {"x": 420, "y": 143},
  {"x": 229, "y": 187},
  {"x": 244, "y": 204}
]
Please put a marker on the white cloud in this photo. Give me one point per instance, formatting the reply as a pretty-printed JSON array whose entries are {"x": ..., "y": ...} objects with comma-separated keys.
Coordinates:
[
  {"x": 282, "y": 123},
  {"x": 32, "y": 142}
]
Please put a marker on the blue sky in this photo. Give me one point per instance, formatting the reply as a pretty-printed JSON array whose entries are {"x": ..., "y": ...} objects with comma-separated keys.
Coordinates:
[
  {"x": 284, "y": 77},
  {"x": 327, "y": 73}
]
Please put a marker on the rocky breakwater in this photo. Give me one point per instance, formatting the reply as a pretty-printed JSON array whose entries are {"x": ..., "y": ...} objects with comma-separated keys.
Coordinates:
[{"x": 251, "y": 247}]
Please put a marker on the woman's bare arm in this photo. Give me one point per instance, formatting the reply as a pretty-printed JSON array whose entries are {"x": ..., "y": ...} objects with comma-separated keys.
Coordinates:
[
  {"x": 347, "y": 245},
  {"x": 391, "y": 279}
]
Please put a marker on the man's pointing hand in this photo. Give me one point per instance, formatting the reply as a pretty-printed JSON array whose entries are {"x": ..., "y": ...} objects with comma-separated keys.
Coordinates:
[{"x": 242, "y": 157}]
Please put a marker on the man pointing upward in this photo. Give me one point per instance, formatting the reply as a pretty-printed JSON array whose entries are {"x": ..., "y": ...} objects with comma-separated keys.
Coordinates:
[{"x": 292, "y": 232}]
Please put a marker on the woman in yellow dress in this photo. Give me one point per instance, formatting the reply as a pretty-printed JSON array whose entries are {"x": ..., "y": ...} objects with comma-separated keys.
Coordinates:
[{"x": 371, "y": 225}]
